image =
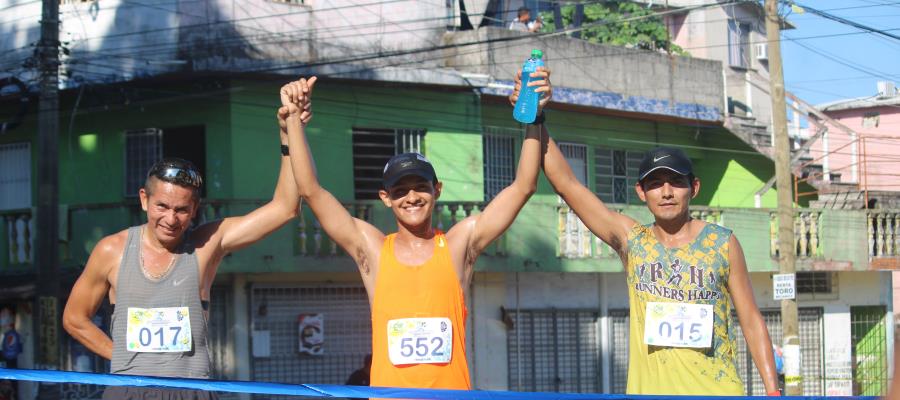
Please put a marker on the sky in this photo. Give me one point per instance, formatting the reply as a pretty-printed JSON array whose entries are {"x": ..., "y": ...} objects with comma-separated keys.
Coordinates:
[{"x": 844, "y": 66}]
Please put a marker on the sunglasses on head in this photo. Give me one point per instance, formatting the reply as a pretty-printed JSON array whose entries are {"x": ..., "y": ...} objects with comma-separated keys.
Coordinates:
[{"x": 176, "y": 173}]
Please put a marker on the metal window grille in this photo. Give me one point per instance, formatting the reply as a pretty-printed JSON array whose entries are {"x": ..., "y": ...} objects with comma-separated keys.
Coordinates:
[
  {"x": 348, "y": 332},
  {"x": 738, "y": 44},
  {"x": 817, "y": 282},
  {"x": 499, "y": 153},
  {"x": 869, "y": 350},
  {"x": 408, "y": 140},
  {"x": 615, "y": 172},
  {"x": 372, "y": 148},
  {"x": 619, "y": 330},
  {"x": 15, "y": 176},
  {"x": 142, "y": 149},
  {"x": 811, "y": 350},
  {"x": 576, "y": 155},
  {"x": 554, "y": 351},
  {"x": 575, "y": 239}
]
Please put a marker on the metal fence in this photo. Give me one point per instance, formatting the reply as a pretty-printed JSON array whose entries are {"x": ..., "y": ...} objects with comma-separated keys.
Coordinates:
[
  {"x": 554, "y": 351},
  {"x": 869, "y": 350},
  {"x": 619, "y": 329},
  {"x": 812, "y": 349},
  {"x": 347, "y": 332}
]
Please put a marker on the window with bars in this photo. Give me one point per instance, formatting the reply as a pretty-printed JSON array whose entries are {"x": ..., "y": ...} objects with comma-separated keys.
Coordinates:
[
  {"x": 576, "y": 155},
  {"x": 615, "y": 173},
  {"x": 499, "y": 152},
  {"x": 15, "y": 176},
  {"x": 372, "y": 148},
  {"x": 554, "y": 350},
  {"x": 815, "y": 282},
  {"x": 738, "y": 44},
  {"x": 144, "y": 147}
]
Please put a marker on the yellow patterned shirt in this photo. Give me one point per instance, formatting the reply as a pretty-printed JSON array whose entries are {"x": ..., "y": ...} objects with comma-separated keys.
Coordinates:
[{"x": 696, "y": 273}]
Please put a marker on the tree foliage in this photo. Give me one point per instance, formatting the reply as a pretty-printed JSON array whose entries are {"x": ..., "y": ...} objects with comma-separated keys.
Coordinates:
[{"x": 619, "y": 23}]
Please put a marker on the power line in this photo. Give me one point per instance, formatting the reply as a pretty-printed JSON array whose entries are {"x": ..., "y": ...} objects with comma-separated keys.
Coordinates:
[
  {"x": 242, "y": 40},
  {"x": 845, "y": 21},
  {"x": 847, "y": 63}
]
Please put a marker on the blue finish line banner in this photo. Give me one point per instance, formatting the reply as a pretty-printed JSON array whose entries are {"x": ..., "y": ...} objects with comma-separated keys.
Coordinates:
[{"x": 313, "y": 390}]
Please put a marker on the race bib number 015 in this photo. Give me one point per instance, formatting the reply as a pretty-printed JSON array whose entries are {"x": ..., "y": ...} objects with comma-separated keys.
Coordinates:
[
  {"x": 678, "y": 325},
  {"x": 158, "y": 330},
  {"x": 420, "y": 340}
]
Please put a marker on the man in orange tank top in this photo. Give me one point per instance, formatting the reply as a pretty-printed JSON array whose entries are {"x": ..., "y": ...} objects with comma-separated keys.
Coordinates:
[{"x": 418, "y": 278}]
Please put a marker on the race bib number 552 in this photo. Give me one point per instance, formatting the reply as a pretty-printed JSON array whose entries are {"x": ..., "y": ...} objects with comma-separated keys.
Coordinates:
[
  {"x": 420, "y": 340},
  {"x": 678, "y": 325},
  {"x": 158, "y": 330}
]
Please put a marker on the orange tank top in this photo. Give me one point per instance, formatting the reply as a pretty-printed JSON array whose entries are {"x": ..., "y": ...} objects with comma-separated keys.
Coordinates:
[{"x": 406, "y": 297}]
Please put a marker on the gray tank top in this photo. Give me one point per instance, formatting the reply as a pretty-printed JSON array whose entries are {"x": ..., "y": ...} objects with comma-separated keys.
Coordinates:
[{"x": 180, "y": 287}]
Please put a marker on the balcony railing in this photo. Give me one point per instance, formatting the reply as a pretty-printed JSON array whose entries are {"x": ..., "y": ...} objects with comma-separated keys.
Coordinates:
[
  {"x": 18, "y": 238},
  {"x": 576, "y": 240},
  {"x": 864, "y": 239},
  {"x": 807, "y": 233},
  {"x": 312, "y": 240},
  {"x": 883, "y": 233}
]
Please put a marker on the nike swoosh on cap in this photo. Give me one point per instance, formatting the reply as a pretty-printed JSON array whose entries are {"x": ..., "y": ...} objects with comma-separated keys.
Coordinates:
[{"x": 656, "y": 159}]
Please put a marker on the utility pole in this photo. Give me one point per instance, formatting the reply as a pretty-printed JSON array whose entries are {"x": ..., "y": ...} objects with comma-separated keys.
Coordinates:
[
  {"x": 46, "y": 258},
  {"x": 791, "y": 345}
]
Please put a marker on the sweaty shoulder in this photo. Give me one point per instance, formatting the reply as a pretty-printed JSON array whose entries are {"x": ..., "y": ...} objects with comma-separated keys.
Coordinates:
[{"x": 107, "y": 253}]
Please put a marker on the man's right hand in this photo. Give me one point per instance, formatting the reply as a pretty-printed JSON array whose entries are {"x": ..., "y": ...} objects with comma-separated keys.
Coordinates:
[{"x": 296, "y": 97}]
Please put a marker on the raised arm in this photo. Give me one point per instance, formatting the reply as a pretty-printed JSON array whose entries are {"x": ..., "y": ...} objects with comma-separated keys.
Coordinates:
[
  {"x": 348, "y": 232},
  {"x": 752, "y": 323},
  {"x": 87, "y": 295},
  {"x": 609, "y": 226},
  {"x": 478, "y": 231},
  {"x": 239, "y": 232},
  {"x": 503, "y": 209}
]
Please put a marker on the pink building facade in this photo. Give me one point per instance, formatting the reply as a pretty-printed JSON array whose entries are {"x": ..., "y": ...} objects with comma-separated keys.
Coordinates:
[{"x": 870, "y": 156}]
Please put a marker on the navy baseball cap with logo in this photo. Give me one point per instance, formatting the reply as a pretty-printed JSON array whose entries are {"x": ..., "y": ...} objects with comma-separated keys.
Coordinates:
[
  {"x": 407, "y": 164},
  {"x": 665, "y": 157}
]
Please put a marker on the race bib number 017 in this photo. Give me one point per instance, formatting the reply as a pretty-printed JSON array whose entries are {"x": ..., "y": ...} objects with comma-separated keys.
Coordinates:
[
  {"x": 678, "y": 325},
  {"x": 158, "y": 330},
  {"x": 420, "y": 340}
]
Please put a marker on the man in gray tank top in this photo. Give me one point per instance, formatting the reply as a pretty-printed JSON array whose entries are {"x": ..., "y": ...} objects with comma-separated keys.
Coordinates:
[{"x": 158, "y": 275}]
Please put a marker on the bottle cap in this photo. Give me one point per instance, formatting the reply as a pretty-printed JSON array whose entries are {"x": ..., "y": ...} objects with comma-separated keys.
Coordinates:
[{"x": 536, "y": 54}]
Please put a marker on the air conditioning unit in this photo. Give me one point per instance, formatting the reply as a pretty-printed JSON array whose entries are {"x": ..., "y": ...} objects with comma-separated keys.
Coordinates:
[
  {"x": 762, "y": 51},
  {"x": 886, "y": 89}
]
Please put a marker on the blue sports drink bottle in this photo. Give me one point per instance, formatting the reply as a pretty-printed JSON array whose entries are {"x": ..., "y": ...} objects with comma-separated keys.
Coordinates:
[{"x": 527, "y": 104}]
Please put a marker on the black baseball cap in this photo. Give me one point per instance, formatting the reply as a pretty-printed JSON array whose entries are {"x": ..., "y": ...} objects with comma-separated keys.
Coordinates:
[
  {"x": 407, "y": 164},
  {"x": 669, "y": 158}
]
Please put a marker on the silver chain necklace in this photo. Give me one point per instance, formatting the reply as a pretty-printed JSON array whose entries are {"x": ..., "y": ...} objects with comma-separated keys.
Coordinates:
[{"x": 146, "y": 272}]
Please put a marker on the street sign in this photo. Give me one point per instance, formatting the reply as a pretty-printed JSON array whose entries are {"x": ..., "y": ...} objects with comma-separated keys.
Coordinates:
[{"x": 784, "y": 287}]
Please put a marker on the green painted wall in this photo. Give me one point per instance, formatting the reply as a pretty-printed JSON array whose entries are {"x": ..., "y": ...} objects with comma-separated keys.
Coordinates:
[
  {"x": 452, "y": 143},
  {"x": 243, "y": 161}
]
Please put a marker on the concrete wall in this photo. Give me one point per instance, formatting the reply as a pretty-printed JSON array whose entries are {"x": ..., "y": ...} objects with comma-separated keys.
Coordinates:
[
  {"x": 704, "y": 34},
  {"x": 582, "y": 65},
  {"x": 119, "y": 40}
]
